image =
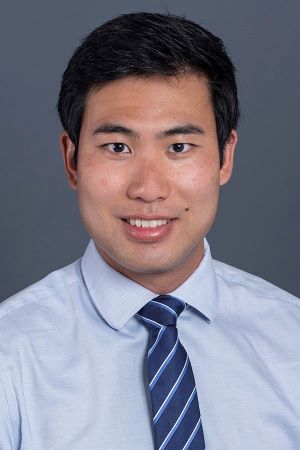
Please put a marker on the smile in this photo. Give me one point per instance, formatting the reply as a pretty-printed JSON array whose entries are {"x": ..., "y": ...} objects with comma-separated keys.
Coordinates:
[
  {"x": 152, "y": 230},
  {"x": 147, "y": 223}
]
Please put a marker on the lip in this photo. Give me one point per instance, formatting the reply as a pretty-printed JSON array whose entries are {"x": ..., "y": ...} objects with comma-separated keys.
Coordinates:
[
  {"x": 148, "y": 217},
  {"x": 148, "y": 234}
]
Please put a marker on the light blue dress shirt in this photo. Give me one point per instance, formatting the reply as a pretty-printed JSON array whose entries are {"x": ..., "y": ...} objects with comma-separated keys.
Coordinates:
[{"x": 72, "y": 360}]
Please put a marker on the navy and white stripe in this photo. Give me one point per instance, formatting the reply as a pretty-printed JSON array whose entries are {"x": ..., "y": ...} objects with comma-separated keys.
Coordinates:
[{"x": 175, "y": 408}]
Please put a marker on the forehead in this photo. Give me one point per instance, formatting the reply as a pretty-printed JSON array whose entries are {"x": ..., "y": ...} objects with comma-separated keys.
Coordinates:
[{"x": 149, "y": 100}]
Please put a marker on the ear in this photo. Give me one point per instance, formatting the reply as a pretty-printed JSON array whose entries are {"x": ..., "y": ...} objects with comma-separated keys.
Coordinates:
[
  {"x": 68, "y": 148},
  {"x": 227, "y": 167}
]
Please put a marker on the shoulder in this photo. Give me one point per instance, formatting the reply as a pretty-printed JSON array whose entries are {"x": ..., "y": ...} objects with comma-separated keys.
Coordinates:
[
  {"x": 42, "y": 294},
  {"x": 260, "y": 317},
  {"x": 239, "y": 282}
]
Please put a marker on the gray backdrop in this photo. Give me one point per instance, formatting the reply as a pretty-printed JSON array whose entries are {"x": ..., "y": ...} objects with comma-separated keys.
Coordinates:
[{"x": 257, "y": 227}]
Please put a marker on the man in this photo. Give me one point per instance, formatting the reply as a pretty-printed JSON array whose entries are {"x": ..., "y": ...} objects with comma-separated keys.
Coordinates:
[{"x": 146, "y": 341}]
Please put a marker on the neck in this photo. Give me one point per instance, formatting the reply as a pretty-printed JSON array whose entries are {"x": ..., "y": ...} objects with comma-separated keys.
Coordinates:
[{"x": 163, "y": 283}]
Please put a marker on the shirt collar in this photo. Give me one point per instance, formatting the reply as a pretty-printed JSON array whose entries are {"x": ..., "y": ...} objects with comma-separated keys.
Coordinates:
[{"x": 118, "y": 298}]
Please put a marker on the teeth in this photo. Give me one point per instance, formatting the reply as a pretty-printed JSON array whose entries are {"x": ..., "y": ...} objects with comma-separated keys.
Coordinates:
[{"x": 147, "y": 223}]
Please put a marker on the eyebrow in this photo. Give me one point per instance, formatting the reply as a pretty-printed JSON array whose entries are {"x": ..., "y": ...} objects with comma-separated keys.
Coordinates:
[
  {"x": 182, "y": 129},
  {"x": 117, "y": 128}
]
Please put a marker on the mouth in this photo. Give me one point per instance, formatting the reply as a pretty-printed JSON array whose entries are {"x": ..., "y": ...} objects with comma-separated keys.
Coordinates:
[
  {"x": 148, "y": 230},
  {"x": 150, "y": 223}
]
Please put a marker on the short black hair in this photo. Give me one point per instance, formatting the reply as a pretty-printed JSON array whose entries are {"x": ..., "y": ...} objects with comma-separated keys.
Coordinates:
[{"x": 145, "y": 44}]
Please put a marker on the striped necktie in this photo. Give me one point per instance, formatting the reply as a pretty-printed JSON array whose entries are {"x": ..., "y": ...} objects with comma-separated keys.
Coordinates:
[{"x": 175, "y": 408}]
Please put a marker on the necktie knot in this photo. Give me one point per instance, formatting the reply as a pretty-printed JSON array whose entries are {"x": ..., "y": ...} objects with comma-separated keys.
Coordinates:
[{"x": 162, "y": 311}]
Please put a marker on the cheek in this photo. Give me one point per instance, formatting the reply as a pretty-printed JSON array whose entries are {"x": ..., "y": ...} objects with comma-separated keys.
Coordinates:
[
  {"x": 199, "y": 183},
  {"x": 99, "y": 185}
]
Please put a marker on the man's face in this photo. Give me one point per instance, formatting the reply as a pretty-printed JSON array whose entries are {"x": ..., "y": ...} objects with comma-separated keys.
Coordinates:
[{"x": 148, "y": 150}]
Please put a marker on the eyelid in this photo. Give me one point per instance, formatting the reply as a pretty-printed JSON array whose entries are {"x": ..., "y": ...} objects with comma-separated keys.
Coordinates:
[
  {"x": 114, "y": 143},
  {"x": 183, "y": 143}
]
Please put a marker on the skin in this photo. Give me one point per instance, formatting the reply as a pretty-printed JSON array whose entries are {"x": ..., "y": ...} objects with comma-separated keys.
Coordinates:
[{"x": 148, "y": 177}]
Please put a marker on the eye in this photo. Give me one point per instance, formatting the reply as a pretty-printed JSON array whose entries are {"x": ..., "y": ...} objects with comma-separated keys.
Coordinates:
[
  {"x": 117, "y": 147},
  {"x": 180, "y": 147}
]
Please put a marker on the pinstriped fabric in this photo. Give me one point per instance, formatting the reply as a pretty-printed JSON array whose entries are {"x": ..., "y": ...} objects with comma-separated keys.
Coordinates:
[{"x": 175, "y": 408}]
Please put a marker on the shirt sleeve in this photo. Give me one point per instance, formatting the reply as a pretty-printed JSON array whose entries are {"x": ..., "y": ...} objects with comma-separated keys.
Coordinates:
[{"x": 6, "y": 429}]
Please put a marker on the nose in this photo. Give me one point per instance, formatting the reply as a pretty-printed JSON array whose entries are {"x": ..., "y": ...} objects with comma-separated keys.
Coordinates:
[{"x": 149, "y": 181}]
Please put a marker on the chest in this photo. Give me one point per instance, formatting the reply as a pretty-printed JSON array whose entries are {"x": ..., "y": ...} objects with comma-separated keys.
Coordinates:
[{"x": 92, "y": 396}]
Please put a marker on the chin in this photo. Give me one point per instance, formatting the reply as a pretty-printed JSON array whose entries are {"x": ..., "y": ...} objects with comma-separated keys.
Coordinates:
[{"x": 146, "y": 265}]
